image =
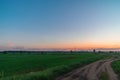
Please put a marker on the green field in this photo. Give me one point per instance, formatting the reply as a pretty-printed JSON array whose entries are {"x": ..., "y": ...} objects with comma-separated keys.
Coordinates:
[
  {"x": 41, "y": 66},
  {"x": 116, "y": 67}
]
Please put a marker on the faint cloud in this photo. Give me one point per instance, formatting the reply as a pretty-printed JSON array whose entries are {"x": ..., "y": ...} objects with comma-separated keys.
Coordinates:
[{"x": 11, "y": 46}]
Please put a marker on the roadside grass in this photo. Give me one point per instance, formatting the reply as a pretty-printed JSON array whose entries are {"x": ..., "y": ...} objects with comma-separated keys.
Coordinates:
[
  {"x": 116, "y": 67},
  {"x": 104, "y": 76},
  {"x": 54, "y": 65},
  {"x": 48, "y": 74}
]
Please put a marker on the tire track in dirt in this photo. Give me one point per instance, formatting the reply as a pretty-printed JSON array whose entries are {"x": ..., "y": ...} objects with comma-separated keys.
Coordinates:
[{"x": 92, "y": 71}]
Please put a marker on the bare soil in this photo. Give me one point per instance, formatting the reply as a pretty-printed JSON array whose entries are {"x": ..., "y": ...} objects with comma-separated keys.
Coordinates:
[{"x": 92, "y": 71}]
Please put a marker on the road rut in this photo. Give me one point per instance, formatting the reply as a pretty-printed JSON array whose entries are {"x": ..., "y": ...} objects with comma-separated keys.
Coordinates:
[{"x": 92, "y": 71}]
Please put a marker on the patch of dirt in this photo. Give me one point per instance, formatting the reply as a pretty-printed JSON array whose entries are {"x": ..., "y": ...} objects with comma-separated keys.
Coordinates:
[{"x": 92, "y": 71}]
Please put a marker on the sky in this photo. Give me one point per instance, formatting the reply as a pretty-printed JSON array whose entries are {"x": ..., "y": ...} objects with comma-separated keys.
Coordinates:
[{"x": 59, "y": 24}]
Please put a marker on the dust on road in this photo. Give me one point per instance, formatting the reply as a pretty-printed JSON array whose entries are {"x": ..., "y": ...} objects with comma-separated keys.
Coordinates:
[{"x": 92, "y": 71}]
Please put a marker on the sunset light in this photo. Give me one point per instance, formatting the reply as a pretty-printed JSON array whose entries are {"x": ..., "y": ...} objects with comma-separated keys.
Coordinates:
[{"x": 59, "y": 24}]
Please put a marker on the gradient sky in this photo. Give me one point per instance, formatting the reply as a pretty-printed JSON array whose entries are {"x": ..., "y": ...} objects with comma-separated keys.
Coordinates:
[{"x": 59, "y": 24}]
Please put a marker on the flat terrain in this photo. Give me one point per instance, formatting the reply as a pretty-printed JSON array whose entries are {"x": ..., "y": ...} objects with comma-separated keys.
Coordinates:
[
  {"x": 92, "y": 71},
  {"x": 59, "y": 66},
  {"x": 116, "y": 67},
  {"x": 39, "y": 66}
]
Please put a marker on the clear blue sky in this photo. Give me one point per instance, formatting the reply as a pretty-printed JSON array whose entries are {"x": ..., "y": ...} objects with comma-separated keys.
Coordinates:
[{"x": 59, "y": 24}]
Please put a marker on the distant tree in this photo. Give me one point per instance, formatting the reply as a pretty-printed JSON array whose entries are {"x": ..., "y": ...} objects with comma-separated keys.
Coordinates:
[
  {"x": 99, "y": 51},
  {"x": 111, "y": 51},
  {"x": 71, "y": 51},
  {"x": 5, "y": 52},
  {"x": 94, "y": 50}
]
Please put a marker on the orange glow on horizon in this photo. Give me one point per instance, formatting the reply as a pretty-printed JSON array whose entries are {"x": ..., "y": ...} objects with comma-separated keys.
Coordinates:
[{"x": 83, "y": 46}]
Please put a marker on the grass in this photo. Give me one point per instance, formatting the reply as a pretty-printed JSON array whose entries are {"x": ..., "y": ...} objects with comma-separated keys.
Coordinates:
[
  {"x": 116, "y": 67},
  {"x": 104, "y": 76},
  {"x": 41, "y": 67}
]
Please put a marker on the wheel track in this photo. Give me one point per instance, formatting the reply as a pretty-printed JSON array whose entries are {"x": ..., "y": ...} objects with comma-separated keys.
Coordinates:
[{"x": 92, "y": 71}]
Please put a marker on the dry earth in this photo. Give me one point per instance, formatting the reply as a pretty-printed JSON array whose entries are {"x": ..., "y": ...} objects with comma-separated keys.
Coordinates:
[{"x": 92, "y": 71}]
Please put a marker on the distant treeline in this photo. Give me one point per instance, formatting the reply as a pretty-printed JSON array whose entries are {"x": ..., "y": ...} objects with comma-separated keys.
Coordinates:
[
  {"x": 43, "y": 52},
  {"x": 54, "y": 52}
]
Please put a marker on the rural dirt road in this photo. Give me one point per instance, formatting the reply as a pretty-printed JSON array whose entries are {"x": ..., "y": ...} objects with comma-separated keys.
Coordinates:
[{"x": 92, "y": 71}]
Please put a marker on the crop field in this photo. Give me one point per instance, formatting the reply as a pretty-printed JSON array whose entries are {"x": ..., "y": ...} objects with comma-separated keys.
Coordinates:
[
  {"x": 42, "y": 66},
  {"x": 116, "y": 67}
]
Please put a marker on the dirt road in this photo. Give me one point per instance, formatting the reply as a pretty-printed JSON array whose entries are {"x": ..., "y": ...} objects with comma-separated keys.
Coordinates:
[{"x": 92, "y": 71}]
